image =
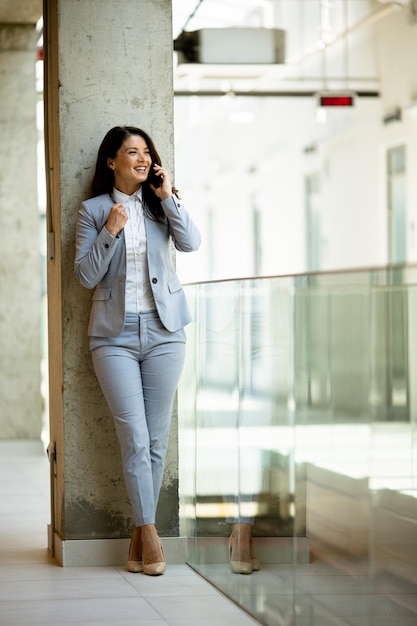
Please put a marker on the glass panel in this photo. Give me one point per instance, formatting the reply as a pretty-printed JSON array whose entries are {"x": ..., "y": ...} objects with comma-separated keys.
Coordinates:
[
  {"x": 313, "y": 226},
  {"x": 397, "y": 208},
  {"x": 297, "y": 422}
]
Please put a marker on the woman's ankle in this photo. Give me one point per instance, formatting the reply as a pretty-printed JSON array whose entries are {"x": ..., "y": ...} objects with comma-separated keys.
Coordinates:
[
  {"x": 135, "y": 548},
  {"x": 151, "y": 544}
]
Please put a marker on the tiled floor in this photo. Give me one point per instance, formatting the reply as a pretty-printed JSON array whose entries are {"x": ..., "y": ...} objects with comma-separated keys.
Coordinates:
[
  {"x": 35, "y": 590},
  {"x": 332, "y": 590}
]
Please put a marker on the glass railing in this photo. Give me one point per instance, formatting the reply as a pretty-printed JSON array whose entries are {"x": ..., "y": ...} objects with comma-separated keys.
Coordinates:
[{"x": 298, "y": 422}]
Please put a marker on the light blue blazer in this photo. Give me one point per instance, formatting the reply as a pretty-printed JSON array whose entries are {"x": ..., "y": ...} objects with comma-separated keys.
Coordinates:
[{"x": 100, "y": 263}]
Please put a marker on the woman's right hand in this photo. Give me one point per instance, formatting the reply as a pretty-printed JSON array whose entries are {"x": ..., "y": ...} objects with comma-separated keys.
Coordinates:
[{"x": 117, "y": 219}]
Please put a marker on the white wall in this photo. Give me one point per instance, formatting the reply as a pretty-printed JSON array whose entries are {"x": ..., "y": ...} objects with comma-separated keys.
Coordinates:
[
  {"x": 396, "y": 41},
  {"x": 224, "y": 167}
]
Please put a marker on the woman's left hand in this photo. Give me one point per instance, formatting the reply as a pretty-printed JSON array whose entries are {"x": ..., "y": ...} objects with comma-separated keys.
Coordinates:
[{"x": 164, "y": 191}]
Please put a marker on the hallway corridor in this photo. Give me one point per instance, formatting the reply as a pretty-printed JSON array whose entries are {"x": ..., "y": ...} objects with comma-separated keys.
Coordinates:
[{"x": 35, "y": 590}]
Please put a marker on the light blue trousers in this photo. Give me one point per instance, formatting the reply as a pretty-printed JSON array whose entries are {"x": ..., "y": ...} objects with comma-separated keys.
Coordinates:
[{"x": 138, "y": 372}]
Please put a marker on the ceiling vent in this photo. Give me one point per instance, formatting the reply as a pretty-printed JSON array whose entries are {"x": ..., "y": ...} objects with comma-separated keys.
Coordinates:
[{"x": 231, "y": 45}]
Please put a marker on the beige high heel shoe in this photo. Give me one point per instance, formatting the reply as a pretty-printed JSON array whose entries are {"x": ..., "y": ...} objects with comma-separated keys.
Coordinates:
[
  {"x": 256, "y": 564},
  {"x": 154, "y": 563},
  {"x": 134, "y": 560},
  {"x": 240, "y": 550}
]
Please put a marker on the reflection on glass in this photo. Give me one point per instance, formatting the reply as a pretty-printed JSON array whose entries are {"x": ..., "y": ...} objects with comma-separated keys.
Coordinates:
[{"x": 297, "y": 430}]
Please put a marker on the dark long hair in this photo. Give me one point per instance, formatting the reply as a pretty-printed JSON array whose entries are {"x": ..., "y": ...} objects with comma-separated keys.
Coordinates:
[{"x": 103, "y": 180}]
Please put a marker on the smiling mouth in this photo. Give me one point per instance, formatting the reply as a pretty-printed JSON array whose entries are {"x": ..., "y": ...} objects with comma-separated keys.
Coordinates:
[{"x": 140, "y": 169}]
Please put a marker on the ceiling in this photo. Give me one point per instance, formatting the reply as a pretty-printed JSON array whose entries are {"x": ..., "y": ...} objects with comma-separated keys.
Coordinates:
[
  {"x": 319, "y": 42},
  {"x": 195, "y": 14},
  {"x": 329, "y": 44}
]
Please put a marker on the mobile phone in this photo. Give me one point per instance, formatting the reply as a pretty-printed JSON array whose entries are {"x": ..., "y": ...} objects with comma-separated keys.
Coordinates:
[{"x": 153, "y": 178}]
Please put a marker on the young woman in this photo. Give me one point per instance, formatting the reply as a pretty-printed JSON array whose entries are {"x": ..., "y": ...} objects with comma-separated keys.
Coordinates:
[{"x": 123, "y": 250}]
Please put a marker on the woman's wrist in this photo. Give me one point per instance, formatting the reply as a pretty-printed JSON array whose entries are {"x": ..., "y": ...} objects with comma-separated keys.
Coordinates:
[{"x": 111, "y": 231}]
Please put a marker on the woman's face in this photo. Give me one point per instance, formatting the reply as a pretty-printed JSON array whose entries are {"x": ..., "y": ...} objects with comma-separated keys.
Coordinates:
[{"x": 131, "y": 164}]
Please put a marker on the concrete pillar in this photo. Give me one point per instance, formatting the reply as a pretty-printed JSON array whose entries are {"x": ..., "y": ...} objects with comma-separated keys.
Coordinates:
[
  {"x": 20, "y": 267},
  {"x": 106, "y": 64}
]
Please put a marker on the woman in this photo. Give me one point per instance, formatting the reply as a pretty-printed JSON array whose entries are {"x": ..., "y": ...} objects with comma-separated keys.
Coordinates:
[{"x": 123, "y": 250}]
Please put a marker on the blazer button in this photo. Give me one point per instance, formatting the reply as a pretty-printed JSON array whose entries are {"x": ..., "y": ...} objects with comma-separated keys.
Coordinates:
[
  {"x": 106, "y": 245},
  {"x": 154, "y": 280}
]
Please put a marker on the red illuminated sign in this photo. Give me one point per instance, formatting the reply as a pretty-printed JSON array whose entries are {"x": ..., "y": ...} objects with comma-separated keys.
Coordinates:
[{"x": 336, "y": 100}]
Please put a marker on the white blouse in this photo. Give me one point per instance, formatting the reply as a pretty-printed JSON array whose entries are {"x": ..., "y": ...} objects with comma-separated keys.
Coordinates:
[{"x": 138, "y": 295}]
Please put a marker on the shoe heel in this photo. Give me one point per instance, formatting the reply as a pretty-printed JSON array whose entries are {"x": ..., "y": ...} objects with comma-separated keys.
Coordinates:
[
  {"x": 256, "y": 564},
  {"x": 135, "y": 550},
  {"x": 156, "y": 569}
]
